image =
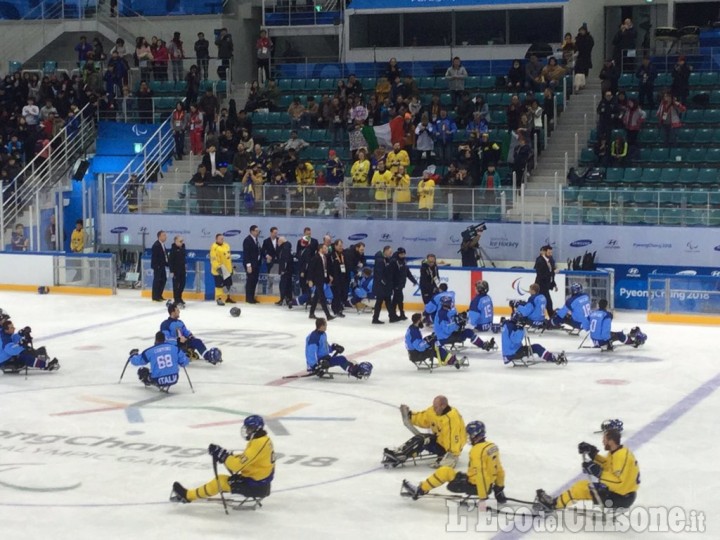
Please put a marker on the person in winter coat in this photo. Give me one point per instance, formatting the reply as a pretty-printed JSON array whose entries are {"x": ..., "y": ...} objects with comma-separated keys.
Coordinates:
[
  {"x": 584, "y": 44},
  {"x": 668, "y": 115},
  {"x": 633, "y": 120}
]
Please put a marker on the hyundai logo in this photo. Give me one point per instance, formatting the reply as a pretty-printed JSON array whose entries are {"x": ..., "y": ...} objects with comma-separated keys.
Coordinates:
[
  {"x": 580, "y": 243},
  {"x": 357, "y": 237},
  {"x": 118, "y": 230},
  {"x": 232, "y": 232}
]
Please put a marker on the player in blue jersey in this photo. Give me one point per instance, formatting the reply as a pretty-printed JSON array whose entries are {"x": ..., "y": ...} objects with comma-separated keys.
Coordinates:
[
  {"x": 165, "y": 360},
  {"x": 319, "y": 356},
  {"x": 178, "y": 334},
  {"x": 17, "y": 352},
  {"x": 515, "y": 346},
  {"x": 361, "y": 291},
  {"x": 480, "y": 314},
  {"x": 450, "y": 326},
  {"x": 602, "y": 334},
  {"x": 432, "y": 307},
  {"x": 576, "y": 310},
  {"x": 424, "y": 349},
  {"x": 531, "y": 310}
]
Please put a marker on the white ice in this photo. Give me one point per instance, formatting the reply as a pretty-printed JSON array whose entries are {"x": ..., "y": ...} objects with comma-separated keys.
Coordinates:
[{"x": 330, "y": 433}]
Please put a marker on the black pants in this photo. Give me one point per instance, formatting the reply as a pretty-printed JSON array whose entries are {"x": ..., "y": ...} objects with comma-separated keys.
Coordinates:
[
  {"x": 203, "y": 67},
  {"x": 251, "y": 284},
  {"x": 646, "y": 96},
  {"x": 461, "y": 484},
  {"x": 286, "y": 292},
  {"x": 179, "y": 137},
  {"x": 159, "y": 281},
  {"x": 319, "y": 296},
  {"x": 179, "y": 286},
  {"x": 340, "y": 289},
  {"x": 545, "y": 291},
  {"x": 379, "y": 299},
  {"x": 397, "y": 303}
]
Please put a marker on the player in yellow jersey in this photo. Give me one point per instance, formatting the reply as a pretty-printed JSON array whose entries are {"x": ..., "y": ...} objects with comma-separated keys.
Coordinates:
[
  {"x": 250, "y": 472},
  {"x": 485, "y": 471},
  {"x": 446, "y": 440},
  {"x": 617, "y": 472},
  {"x": 221, "y": 268}
]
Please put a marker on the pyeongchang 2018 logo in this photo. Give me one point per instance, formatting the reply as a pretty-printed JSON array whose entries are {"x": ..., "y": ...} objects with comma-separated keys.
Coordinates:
[{"x": 517, "y": 287}]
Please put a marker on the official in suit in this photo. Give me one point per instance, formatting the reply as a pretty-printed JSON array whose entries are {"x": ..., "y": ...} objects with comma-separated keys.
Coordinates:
[
  {"x": 285, "y": 266},
  {"x": 382, "y": 284},
  {"x": 178, "y": 269},
  {"x": 159, "y": 264},
  {"x": 306, "y": 248},
  {"x": 545, "y": 275},
  {"x": 340, "y": 282},
  {"x": 269, "y": 254},
  {"x": 252, "y": 261},
  {"x": 318, "y": 274}
]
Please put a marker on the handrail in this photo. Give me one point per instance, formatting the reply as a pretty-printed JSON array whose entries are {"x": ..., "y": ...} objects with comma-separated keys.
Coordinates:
[
  {"x": 42, "y": 172},
  {"x": 155, "y": 150}
]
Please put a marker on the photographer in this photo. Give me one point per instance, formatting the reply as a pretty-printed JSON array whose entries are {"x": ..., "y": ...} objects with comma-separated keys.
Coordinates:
[
  {"x": 17, "y": 351},
  {"x": 469, "y": 249}
]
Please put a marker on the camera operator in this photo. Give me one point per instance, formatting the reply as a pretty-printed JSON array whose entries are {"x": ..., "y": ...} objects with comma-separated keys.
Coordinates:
[{"x": 469, "y": 252}]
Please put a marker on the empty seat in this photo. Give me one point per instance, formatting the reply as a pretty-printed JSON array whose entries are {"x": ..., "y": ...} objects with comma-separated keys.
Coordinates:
[
  {"x": 627, "y": 80},
  {"x": 614, "y": 175},
  {"x": 570, "y": 194},
  {"x": 694, "y": 116},
  {"x": 652, "y": 216},
  {"x": 488, "y": 81},
  {"x": 632, "y": 215},
  {"x": 587, "y": 157},
  {"x": 687, "y": 176},
  {"x": 696, "y": 217},
  {"x": 650, "y": 175},
  {"x": 707, "y": 177},
  {"x": 472, "y": 83},
  {"x": 572, "y": 215},
  {"x": 703, "y": 136},
  {"x": 670, "y": 216},
  {"x": 669, "y": 176},
  {"x": 632, "y": 175},
  {"x": 595, "y": 216},
  {"x": 699, "y": 198},
  {"x": 695, "y": 79},
  {"x": 712, "y": 156},
  {"x": 649, "y": 136},
  {"x": 326, "y": 84},
  {"x": 643, "y": 196},
  {"x": 695, "y": 155},
  {"x": 710, "y": 78},
  {"x": 686, "y": 135},
  {"x": 284, "y": 84}
]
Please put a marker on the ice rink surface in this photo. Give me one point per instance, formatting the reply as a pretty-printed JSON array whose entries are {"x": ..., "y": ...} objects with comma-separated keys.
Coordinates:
[{"x": 83, "y": 457}]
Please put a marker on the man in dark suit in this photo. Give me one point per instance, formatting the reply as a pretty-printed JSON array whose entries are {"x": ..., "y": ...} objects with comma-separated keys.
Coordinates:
[
  {"x": 159, "y": 264},
  {"x": 545, "y": 275},
  {"x": 429, "y": 281},
  {"x": 285, "y": 266},
  {"x": 178, "y": 271},
  {"x": 382, "y": 284},
  {"x": 340, "y": 281},
  {"x": 269, "y": 253},
  {"x": 318, "y": 274},
  {"x": 252, "y": 261},
  {"x": 306, "y": 248}
]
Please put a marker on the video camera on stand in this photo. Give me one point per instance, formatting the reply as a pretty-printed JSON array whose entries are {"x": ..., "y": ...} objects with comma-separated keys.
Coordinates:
[{"x": 472, "y": 231}]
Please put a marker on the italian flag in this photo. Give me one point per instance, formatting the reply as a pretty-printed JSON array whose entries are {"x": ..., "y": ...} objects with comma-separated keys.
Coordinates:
[{"x": 377, "y": 137}]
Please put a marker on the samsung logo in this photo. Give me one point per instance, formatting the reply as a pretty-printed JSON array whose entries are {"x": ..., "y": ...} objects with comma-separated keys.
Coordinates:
[
  {"x": 232, "y": 232},
  {"x": 118, "y": 230},
  {"x": 357, "y": 237},
  {"x": 717, "y": 248},
  {"x": 580, "y": 243}
]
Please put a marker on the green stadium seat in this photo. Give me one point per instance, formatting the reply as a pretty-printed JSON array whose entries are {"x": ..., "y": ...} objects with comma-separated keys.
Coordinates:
[
  {"x": 493, "y": 99},
  {"x": 648, "y": 136},
  {"x": 446, "y": 100},
  {"x": 327, "y": 84},
  {"x": 281, "y": 118},
  {"x": 275, "y": 135},
  {"x": 704, "y": 136},
  {"x": 297, "y": 85},
  {"x": 570, "y": 194},
  {"x": 714, "y": 218},
  {"x": 679, "y": 196},
  {"x": 712, "y": 156},
  {"x": 710, "y": 116},
  {"x": 716, "y": 136},
  {"x": 632, "y": 215},
  {"x": 260, "y": 132},
  {"x": 671, "y": 217},
  {"x": 664, "y": 198},
  {"x": 715, "y": 97},
  {"x": 221, "y": 87},
  {"x": 695, "y": 155},
  {"x": 284, "y": 84},
  {"x": 487, "y": 82},
  {"x": 472, "y": 83},
  {"x": 572, "y": 215},
  {"x": 687, "y": 176},
  {"x": 687, "y": 135},
  {"x": 595, "y": 216},
  {"x": 707, "y": 177},
  {"x": 695, "y": 79},
  {"x": 650, "y": 176},
  {"x": 603, "y": 196},
  {"x": 643, "y": 196},
  {"x": 710, "y": 78},
  {"x": 587, "y": 157},
  {"x": 175, "y": 206},
  {"x": 699, "y": 198},
  {"x": 651, "y": 216},
  {"x": 676, "y": 155},
  {"x": 668, "y": 177},
  {"x": 505, "y": 99},
  {"x": 180, "y": 87},
  {"x": 627, "y": 80},
  {"x": 644, "y": 155},
  {"x": 156, "y": 87},
  {"x": 368, "y": 84},
  {"x": 696, "y": 217},
  {"x": 285, "y": 101},
  {"x": 659, "y": 155},
  {"x": 499, "y": 118},
  {"x": 617, "y": 133},
  {"x": 426, "y": 83},
  {"x": 614, "y": 175},
  {"x": 694, "y": 116},
  {"x": 586, "y": 195},
  {"x": 663, "y": 79},
  {"x": 632, "y": 175},
  {"x": 592, "y": 140},
  {"x": 206, "y": 85},
  {"x": 261, "y": 119}
]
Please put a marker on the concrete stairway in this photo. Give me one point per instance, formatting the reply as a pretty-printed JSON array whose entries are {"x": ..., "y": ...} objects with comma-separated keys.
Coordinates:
[{"x": 550, "y": 172}]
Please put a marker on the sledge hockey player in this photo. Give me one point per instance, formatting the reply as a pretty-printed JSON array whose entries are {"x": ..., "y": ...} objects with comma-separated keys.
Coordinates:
[
  {"x": 514, "y": 346},
  {"x": 17, "y": 352},
  {"x": 485, "y": 471},
  {"x": 319, "y": 357},
  {"x": 602, "y": 335},
  {"x": 433, "y": 305},
  {"x": 531, "y": 310},
  {"x": 4, "y": 316},
  {"x": 576, "y": 310},
  {"x": 178, "y": 334},
  {"x": 221, "y": 268},
  {"x": 361, "y": 295},
  {"x": 611, "y": 423},
  {"x": 424, "y": 350},
  {"x": 251, "y": 472},
  {"x": 165, "y": 359},
  {"x": 480, "y": 314},
  {"x": 450, "y": 327},
  {"x": 445, "y": 442},
  {"x": 305, "y": 297},
  {"x": 617, "y": 473}
]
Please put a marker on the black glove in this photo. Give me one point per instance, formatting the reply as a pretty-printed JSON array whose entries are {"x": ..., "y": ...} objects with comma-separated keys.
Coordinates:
[
  {"x": 589, "y": 449},
  {"x": 592, "y": 468},
  {"x": 218, "y": 453},
  {"x": 430, "y": 339},
  {"x": 322, "y": 363},
  {"x": 337, "y": 348},
  {"x": 133, "y": 352},
  {"x": 500, "y": 494}
]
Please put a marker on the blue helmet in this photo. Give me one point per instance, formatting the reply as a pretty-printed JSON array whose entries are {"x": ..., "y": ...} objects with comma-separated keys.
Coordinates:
[
  {"x": 611, "y": 423},
  {"x": 213, "y": 355},
  {"x": 364, "y": 369},
  {"x": 251, "y": 426},
  {"x": 475, "y": 430},
  {"x": 576, "y": 288}
]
